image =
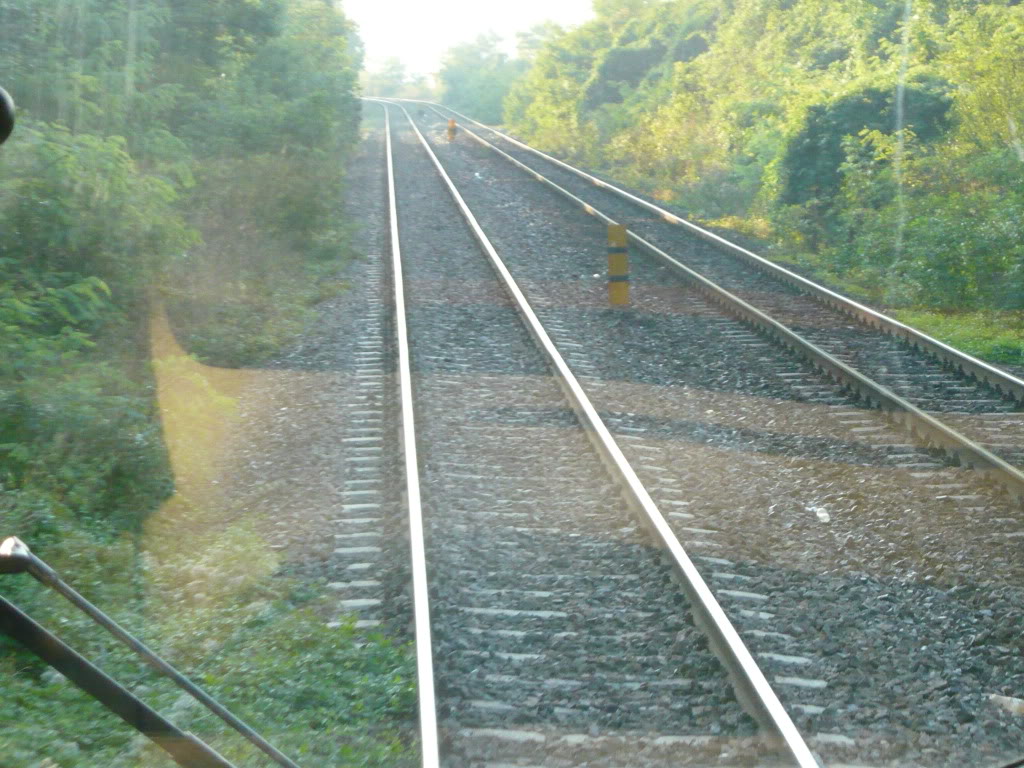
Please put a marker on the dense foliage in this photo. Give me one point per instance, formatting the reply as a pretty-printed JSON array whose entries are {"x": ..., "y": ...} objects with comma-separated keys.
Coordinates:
[
  {"x": 392, "y": 78},
  {"x": 148, "y": 133},
  {"x": 189, "y": 153},
  {"x": 877, "y": 142},
  {"x": 476, "y": 76}
]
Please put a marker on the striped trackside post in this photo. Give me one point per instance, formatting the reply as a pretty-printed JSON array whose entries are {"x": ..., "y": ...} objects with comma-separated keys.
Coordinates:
[
  {"x": 451, "y": 129},
  {"x": 618, "y": 266}
]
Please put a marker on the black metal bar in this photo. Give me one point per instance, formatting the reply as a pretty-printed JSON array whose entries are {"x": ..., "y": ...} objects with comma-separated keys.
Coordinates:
[
  {"x": 6, "y": 115},
  {"x": 16, "y": 557},
  {"x": 184, "y": 748}
]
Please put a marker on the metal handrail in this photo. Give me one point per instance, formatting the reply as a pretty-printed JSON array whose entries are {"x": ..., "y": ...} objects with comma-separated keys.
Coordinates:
[
  {"x": 16, "y": 557},
  {"x": 184, "y": 748},
  {"x": 6, "y": 115}
]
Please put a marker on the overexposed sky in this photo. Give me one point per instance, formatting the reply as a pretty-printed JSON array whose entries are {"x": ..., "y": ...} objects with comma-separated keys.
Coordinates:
[{"x": 419, "y": 31}]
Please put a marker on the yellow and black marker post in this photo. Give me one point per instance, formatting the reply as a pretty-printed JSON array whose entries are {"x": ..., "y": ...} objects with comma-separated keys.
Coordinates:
[
  {"x": 451, "y": 129},
  {"x": 618, "y": 266}
]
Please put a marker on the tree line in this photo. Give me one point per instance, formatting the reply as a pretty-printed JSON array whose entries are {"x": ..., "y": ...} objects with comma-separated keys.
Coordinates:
[
  {"x": 188, "y": 154},
  {"x": 877, "y": 143},
  {"x": 187, "y": 151}
]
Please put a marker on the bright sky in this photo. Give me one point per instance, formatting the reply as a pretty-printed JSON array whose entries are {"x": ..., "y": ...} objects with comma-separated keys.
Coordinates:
[{"x": 419, "y": 31}]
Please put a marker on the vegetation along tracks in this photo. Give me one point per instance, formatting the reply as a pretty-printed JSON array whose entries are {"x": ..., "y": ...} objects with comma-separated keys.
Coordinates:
[
  {"x": 935, "y": 389},
  {"x": 857, "y": 563},
  {"x": 558, "y": 632}
]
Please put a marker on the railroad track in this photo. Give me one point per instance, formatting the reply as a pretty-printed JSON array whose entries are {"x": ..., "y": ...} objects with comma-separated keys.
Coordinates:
[
  {"x": 819, "y": 523},
  {"x": 556, "y": 629},
  {"x": 364, "y": 555},
  {"x": 972, "y": 410}
]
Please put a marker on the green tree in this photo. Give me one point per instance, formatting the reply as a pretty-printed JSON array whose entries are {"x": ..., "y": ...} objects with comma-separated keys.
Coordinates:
[
  {"x": 390, "y": 80},
  {"x": 544, "y": 103},
  {"x": 530, "y": 43},
  {"x": 811, "y": 159},
  {"x": 475, "y": 78},
  {"x": 756, "y": 111},
  {"x": 148, "y": 130},
  {"x": 984, "y": 56},
  {"x": 617, "y": 10}
]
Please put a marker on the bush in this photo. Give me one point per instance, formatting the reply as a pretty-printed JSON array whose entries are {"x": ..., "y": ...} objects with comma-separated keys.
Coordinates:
[
  {"x": 997, "y": 337},
  {"x": 270, "y": 251},
  {"x": 80, "y": 205},
  {"x": 811, "y": 159}
]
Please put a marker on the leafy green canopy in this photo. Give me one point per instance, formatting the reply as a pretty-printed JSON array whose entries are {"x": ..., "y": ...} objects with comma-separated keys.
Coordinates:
[
  {"x": 476, "y": 76},
  {"x": 148, "y": 132},
  {"x": 811, "y": 160},
  {"x": 189, "y": 151},
  {"x": 880, "y": 147}
]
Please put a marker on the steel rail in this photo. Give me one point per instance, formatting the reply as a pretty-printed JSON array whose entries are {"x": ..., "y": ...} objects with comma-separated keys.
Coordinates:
[
  {"x": 972, "y": 366},
  {"x": 752, "y": 688},
  {"x": 430, "y": 752},
  {"x": 921, "y": 423}
]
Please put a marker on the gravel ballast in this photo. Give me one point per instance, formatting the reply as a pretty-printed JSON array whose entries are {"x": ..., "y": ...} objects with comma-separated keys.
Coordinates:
[
  {"x": 978, "y": 410},
  {"x": 560, "y": 637},
  {"x": 879, "y": 586}
]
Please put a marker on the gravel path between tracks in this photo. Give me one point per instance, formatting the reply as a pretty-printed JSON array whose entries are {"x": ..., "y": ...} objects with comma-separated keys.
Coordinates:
[
  {"x": 977, "y": 410},
  {"x": 560, "y": 638},
  {"x": 891, "y": 580}
]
